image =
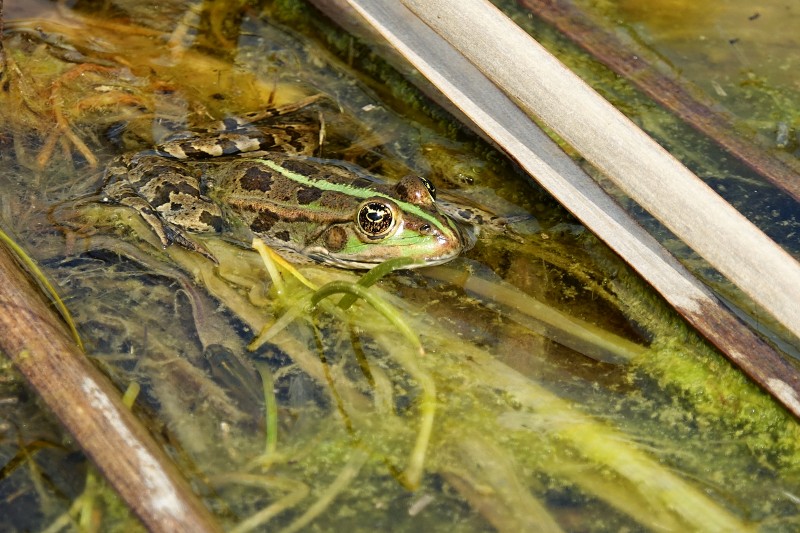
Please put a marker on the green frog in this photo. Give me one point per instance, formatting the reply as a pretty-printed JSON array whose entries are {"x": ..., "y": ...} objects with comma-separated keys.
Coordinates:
[{"x": 268, "y": 185}]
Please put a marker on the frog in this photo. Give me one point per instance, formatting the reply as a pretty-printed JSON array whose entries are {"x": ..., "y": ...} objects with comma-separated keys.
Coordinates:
[{"x": 240, "y": 184}]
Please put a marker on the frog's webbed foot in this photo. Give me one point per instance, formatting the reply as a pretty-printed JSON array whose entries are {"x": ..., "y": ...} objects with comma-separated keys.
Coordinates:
[
  {"x": 174, "y": 235},
  {"x": 276, "y": 111}
]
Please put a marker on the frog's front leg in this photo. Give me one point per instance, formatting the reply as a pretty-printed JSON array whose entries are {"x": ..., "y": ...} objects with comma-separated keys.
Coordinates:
[{"x": 167, "y": 195}]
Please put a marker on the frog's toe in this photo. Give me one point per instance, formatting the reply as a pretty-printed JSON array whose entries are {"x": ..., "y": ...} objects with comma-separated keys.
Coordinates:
[{"x": 174, "y": 235}]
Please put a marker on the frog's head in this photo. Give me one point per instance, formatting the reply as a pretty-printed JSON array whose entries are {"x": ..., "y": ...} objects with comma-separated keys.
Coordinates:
[{"x": 401, "y": 222}]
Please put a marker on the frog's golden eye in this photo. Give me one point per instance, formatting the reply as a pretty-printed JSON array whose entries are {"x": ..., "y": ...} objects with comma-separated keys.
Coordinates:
[
  {"x": 376, "y": 218},
  {"x": 430, "y": 186}
]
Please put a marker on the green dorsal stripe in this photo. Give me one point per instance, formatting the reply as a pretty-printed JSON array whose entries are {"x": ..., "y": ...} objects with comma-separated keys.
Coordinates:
[{"x": 354, "y": 191}]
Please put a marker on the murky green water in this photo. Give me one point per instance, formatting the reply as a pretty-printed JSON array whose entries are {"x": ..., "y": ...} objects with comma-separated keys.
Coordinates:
[{"x": 518, "y": 421}]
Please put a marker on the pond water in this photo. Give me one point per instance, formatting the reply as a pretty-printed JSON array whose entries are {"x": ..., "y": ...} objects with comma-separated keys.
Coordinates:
[{"x": 534, "y": 383}]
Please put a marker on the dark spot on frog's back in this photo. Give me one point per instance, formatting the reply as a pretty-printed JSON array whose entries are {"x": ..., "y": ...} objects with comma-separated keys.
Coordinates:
[
  {"x": 213, "y": 221},
  {"x": 307, "y": 195},
  {"x": 256, "y": 179},
  {"x": 299, "y": 167},
  {"x": 283, "y": 236},
  {"x": 167, "y": 193},
  {"x": 264, "y": 222}
]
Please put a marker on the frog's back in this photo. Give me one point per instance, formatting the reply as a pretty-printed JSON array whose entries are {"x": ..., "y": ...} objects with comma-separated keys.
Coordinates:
[{"x": 294, "y": 187}]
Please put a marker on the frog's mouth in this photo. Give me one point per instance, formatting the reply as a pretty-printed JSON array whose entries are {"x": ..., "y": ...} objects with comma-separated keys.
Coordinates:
[{"x": 325, "y": 257}]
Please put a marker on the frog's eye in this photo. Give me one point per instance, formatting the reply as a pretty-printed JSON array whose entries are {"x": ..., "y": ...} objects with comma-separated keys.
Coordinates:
[
  {"x": 430, "y": 186},
  {"x": 376, "y": 218}
]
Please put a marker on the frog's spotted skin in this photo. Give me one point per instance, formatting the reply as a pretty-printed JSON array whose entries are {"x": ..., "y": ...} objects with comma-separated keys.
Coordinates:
[
  {"x": 323, "y": 210},
  {"x": 318, "y": 209}
]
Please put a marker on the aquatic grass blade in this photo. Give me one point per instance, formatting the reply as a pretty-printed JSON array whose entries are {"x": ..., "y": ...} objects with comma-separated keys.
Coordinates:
[
  {"x": 376, "y": 273},
  {"x": 270, "y": 408},
  {"x": 412, "y": 475},
  {"x": 271, "y": 259},
  {"x": 380, "y": 305}
]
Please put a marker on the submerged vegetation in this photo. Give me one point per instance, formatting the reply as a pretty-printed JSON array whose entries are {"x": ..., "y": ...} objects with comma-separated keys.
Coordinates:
[{"x": 534, "y": 384}]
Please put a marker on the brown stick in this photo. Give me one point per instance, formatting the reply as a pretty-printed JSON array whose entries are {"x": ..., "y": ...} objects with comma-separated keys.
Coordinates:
[
  {"x": 779, "y": 168},
  {"x": 2, "y": 44},
  {"x": 91, "y": 409}
]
